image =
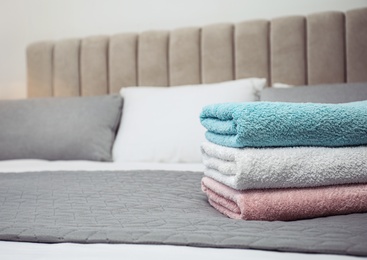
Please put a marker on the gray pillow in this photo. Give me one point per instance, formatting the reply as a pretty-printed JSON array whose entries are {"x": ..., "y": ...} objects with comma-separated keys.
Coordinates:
[
  {"x": 328, "y": 93},
  {"x": 75, "y": 128}
]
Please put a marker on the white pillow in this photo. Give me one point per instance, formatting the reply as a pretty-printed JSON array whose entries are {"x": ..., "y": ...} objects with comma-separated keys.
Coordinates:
[{"x": 161, "y": 124}]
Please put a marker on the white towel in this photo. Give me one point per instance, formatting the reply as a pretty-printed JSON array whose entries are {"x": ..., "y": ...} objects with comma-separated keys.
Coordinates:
[{"x": 285, "y": 167}]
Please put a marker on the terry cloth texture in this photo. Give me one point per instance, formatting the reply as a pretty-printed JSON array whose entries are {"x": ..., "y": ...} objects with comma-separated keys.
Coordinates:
[
  {"x": 272, "y": 124},
  {"x": 154, "y": 207},
  {"x": 284, "y": 167},
  {"x": 285, "y": 204}
]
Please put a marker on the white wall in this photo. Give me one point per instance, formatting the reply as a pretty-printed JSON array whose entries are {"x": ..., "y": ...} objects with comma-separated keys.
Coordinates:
[{"x": 26, "y": 21}]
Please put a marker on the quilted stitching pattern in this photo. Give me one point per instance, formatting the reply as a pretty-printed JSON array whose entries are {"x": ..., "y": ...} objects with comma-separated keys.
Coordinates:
[{"x": 153, "y": 207}]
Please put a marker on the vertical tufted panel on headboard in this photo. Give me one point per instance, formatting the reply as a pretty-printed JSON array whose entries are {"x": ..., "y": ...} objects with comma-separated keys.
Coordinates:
[
  {"x": 153, "y": 59},
  {"x": 326, "y": 48},
  {"x": 288, "y": 50},
  {"x": 252, "y": 49},
  {"x": 217, "y": 53},
  {"x": 122, "y": 62},
  {"x": 184, "y": 57},
  {"x": 356, "y": 38},
  {"x": 329, "y": 47},
  {"x": 93, "y": 66},
  {"x": 40, "y": 69},
  {"x": 66, "y": 80}
]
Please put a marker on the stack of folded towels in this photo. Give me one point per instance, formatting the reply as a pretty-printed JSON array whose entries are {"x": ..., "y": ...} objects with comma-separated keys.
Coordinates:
[{"x": 285, "y": 161}]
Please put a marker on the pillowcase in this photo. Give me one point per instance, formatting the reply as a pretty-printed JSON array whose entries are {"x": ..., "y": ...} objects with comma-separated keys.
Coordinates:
[
  {"x": 327, "y": 93},
  {"x": 161, "y": 124},
  {"x": 75, "y": 128}
]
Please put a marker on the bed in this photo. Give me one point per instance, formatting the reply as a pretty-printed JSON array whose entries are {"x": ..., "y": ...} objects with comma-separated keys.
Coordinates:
[{"x": 79, "y": 155}]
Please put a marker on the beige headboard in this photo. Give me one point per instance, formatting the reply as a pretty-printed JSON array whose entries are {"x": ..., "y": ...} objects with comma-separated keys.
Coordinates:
[{"x": 329, "y": 47}]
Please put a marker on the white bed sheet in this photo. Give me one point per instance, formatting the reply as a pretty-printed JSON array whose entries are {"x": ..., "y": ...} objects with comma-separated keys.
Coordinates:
[
  {"x": 42, "y": 165},
  {"x": 21, "y": 250}
]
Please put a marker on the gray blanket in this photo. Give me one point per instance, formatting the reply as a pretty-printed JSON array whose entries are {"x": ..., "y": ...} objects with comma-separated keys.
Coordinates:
[{"x": 153, "y": 207}]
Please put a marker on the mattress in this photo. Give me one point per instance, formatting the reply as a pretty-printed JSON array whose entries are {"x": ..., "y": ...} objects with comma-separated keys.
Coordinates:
[{"x": 14, "y": 250}]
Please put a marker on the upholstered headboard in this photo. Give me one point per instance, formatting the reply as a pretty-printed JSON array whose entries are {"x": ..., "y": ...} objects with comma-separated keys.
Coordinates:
[{"x": 329, "y": 47}]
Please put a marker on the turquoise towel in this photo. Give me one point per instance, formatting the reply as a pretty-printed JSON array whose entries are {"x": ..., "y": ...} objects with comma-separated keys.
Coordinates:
[{"x": 272, "y": 124}]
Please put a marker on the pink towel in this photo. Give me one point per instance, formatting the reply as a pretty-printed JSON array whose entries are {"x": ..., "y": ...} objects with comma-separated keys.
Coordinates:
[{"x": 285, "y": 204}]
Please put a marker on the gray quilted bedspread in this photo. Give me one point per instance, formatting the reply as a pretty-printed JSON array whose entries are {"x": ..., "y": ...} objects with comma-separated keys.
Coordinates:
[{"x": 153, "y": 207}]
